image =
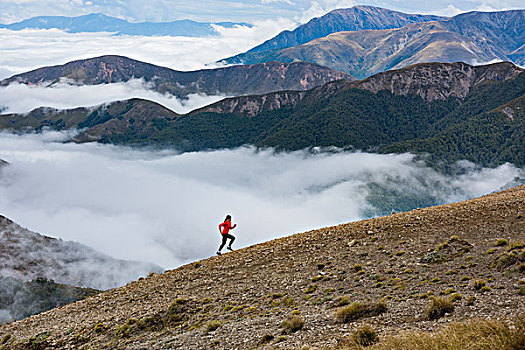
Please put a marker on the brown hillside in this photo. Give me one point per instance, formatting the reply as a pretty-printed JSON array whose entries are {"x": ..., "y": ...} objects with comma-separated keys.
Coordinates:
[{"x": 233, "y": 301}]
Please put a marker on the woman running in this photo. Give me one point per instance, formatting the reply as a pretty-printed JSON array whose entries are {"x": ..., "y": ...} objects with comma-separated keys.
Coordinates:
[{"x": 224, "y": 228}]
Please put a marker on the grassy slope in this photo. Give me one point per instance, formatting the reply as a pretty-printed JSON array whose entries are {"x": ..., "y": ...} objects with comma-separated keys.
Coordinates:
[{"x": 247, "y": 294}]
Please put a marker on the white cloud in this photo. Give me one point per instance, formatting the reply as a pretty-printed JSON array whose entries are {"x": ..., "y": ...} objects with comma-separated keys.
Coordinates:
[
  {"x": 320, "y": 8},
  {"x": 21, "y": 98},
  {"x": 164, "y": 207},
  {"x": 30, "y": 49}
]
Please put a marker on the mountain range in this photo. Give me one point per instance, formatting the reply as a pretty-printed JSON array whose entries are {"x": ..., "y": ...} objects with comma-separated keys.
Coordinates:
[
  {"x": 476, "y": 111},
  {"x": 98, "y": 22},
  {"x": 229, "y": 81},
  {"x": 447, "y": 277},
  {"x": 345, "y": 19},
  {"x": 474, "y": 37}
]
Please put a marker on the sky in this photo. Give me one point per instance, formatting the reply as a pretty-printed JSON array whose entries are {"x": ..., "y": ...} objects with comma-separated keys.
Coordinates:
[
  {"x": 228, "y": 10},
  {"x": 164, "y": 207}
]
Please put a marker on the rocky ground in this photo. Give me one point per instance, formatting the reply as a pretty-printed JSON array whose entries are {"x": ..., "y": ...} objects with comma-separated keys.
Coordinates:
[{"x": 240, "y": 300}]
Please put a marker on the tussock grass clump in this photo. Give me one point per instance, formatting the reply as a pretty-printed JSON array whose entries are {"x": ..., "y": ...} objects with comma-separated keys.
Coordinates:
[
  {"x": 292, "y": 324},
  {"x": 473, "y": 334},
  {"x": 212, "y": 326},
  {"x": 265, "y": 339},
  {"x": 454, "y": 297},
  {"x": 6, "y": 338},
  {"x": 311, "y": 288},
  {"x": 365, "y": 336},
  {"x": 358, "y": 310},
  {"x": 501, "y": 242},
  {"x": 478, "y": 284},
  {"x": 438, "y": 308}
]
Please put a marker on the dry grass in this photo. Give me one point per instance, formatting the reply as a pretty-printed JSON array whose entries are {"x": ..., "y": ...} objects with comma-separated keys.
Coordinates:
[
  {"x": 438, "y": 308},
  {"x": 477, "y": 334},
  {"x": 292, "y": 324},
  {"x": 359, "y": 310}
]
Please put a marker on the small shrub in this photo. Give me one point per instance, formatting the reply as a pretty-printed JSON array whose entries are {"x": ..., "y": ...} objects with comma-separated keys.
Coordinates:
[
  {"x": 124, "y": 331},
  {"x": 365, "y": 336},
  {"x": 471, "y": 299},
  {"x": 6, "y": 338},
  {"x": 292, "y": 324},
  {"x": 196, "y": 265},
  {"x": 343, "y": 301},
  {"x": 359, "y": 310},
  {"x": 320, "y": 266},
  {"x": 501, "y": 242},
  {"x": 400, "y": 253},
  {"x": 265, "y": 339},
  {"x": 438, "y": 308},
  {"x": 311, "y": 288},
  {"x": 99, "y": 328},
  {"x": 521, "y": 268},
  {"x": 505, "y": 259},
  {"x": 478, "y": 284},
  {"x": 212, "y": 326},
  {"x": 288, "y": 302},
  {"x": 357, "y": 267},
  {"x": 435, "y": 280},
  {"x": 464, "y": 278},
  {"x": 485, "y": 289},
  {"x": 522, "y": 290},
  {"x": 425, "y": 295},
  {"x": 454, "y": 297},
  {"x": 492, "y": 251},
  {"x": 281, "y": 339}
]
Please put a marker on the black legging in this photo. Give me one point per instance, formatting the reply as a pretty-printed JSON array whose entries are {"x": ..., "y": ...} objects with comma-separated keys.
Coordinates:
[{"x": 225, "y": 237}]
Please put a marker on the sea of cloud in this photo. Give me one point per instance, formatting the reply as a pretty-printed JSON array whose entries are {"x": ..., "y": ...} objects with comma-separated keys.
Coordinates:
[
  {"x": 164, "y": 207},
  {"x": 30, "y": 49},
  {"x": 25, "y": 50},
  {"x": 22, "y": 98}
]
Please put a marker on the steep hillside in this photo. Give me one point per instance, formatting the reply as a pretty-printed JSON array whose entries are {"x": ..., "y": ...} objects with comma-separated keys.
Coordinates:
[
  {"x": 26, "y": 255},
  {"x": 304, "y": 290},
  {"x": 475, "y": 37},
  {"x": 231, "y": 81},
  {"x": 349, "y": 19},
  {"x": 98, "y": 22}
]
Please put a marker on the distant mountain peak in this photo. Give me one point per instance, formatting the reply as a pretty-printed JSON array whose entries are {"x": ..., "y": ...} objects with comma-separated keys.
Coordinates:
[
  {"x": 99, "y": 22},
  {"x": 366, "y": 41}
]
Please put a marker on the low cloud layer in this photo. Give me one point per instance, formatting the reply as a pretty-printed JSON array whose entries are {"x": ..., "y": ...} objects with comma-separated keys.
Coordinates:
[
  {"x": 30, "y": 49},
  {"x": 21, "y": 98},
  {"x": 164, "y": 207}
]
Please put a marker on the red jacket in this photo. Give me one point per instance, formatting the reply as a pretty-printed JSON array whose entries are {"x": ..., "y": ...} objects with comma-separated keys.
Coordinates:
[{"x": 226, "y": 227}]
